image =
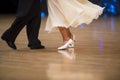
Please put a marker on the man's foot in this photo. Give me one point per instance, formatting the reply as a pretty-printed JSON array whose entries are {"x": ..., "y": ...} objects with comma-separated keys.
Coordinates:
[
  {"x": 37, "y": 47},
  {"x": 10, "y": 43}
]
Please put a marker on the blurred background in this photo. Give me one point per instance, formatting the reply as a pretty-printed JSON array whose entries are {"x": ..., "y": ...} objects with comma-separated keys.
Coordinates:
[{"x": 112, "y": 7}]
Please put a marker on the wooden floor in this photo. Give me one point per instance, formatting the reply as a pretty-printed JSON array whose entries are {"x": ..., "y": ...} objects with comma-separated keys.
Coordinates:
[{"x": 96, "y": 55}]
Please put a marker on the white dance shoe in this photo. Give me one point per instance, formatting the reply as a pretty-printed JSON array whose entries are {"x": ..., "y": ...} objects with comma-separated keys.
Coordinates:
[
  {"x": 69, "y": 43},
  {"x": 73, "y": 37},
  {"x": 72, "y": 45}
]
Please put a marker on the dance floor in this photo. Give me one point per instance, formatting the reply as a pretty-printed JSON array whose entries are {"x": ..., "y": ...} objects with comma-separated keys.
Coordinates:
[{"x": 96, "y": 55}]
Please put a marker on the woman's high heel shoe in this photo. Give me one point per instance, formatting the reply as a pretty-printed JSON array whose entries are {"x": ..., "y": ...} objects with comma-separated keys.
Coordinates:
[
  {"x": 66, "y": 45},
  {"x": 71, "y": 45},
  {"x": 73, "y": 37}
]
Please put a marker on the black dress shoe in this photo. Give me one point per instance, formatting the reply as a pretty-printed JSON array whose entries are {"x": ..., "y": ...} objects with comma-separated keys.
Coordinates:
[
  {"x": 10, "y": 43},
  {"x": 37, "y": 47}
]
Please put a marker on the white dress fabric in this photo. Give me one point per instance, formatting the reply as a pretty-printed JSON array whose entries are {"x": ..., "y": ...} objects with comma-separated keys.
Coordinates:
[{"x": 71, "y": 13}]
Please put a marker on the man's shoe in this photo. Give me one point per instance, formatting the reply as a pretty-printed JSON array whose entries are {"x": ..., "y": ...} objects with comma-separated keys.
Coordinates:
[
  {"x": 10, "y": 43},
  {"x": 37, "y": 47}
]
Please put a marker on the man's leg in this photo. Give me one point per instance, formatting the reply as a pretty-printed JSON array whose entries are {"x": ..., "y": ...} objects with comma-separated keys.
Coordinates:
[
  {"x": 13, "y": 31},
  {"x": 10, "y": 34},
  {"x": 33, "y": 28}
]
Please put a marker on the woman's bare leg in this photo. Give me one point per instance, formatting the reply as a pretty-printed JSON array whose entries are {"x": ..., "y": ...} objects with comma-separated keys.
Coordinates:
[
  {"x": 65, "y": 33},
  {"x": 69, "y": 33}
]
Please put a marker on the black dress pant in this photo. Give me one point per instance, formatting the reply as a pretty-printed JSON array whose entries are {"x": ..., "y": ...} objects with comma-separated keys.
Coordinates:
[{"x": 32, "y": 22}]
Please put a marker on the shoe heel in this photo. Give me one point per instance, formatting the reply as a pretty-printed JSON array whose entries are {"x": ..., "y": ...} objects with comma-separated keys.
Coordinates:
[
  {"x": 71, "y": 45},
  {"x": 74, "y": 37}
]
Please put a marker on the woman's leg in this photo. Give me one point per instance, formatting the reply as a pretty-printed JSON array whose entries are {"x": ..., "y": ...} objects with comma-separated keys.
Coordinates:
[
  {"x": 69, "y": 33},
  {"x": 65, "y": 33},
  {"x": 67, "y": 40}
]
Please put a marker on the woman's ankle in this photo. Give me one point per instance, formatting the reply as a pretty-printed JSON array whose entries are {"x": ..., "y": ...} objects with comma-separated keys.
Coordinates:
[{"x": 66, "y": 39}]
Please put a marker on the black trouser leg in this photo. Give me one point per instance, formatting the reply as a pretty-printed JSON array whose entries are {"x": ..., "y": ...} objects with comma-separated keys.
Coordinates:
[
  {"x": 33, "y": 28},
  {"x": 14, "y": 30}
]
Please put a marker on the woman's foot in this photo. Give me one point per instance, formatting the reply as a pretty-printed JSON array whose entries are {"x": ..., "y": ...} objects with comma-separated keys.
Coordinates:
[
  {"x": 72, "y": 36},
  {"x": 69, "y": 43}
]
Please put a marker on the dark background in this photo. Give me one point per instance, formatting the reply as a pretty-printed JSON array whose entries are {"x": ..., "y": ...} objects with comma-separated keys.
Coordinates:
[
  {"x": 10, "y": 6},
  {"x": 112, "y": 7}
]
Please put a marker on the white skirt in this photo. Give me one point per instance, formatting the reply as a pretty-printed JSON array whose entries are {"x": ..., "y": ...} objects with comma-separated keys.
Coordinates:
[{"x": 71, "y": 13}]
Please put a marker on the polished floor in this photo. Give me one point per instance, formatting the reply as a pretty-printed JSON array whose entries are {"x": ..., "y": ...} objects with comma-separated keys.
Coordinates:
[{"x": 96, "y": 55}]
